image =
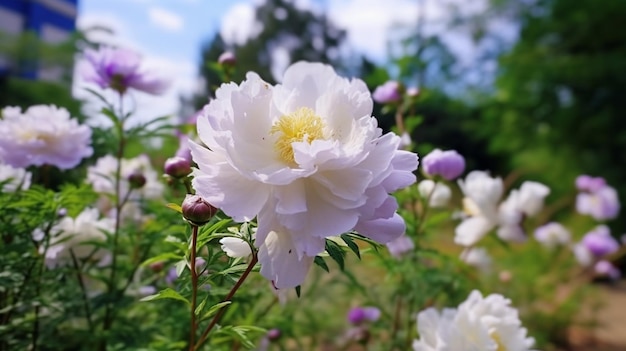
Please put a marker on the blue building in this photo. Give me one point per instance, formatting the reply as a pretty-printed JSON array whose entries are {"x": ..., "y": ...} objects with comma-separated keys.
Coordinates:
[{"x": 52, "y": 21}]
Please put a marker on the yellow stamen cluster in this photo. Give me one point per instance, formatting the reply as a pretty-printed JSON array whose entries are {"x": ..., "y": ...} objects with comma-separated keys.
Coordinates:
[{"x": 301, "y": 125}]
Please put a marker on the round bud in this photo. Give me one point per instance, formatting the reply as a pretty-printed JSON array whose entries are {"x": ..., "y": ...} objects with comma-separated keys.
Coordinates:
[
  {"x": 273, "y": 334},
  {"x": 227, "y": 58},
  {"x": 136, "y": 180},
  {"x": 197, "y": 210},
  {"x": 177, "y": 167}
]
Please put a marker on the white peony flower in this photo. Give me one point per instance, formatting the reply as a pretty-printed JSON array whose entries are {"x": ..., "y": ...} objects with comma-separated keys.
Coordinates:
[
  {"x": 102, "y": 175},
  {"x": 481, "y": 203},
  {"x": 76, "y": 235},
  {"x": 306, "y": 158},
  {"x": 552, "y": 235},
  {"x": 43, "y": 135},
  {"x": 12, "y": 179},
  {"x": 439, "y": 195},
  {"x": 478, "y": 324},
  {"x": 482, "y": 195}
]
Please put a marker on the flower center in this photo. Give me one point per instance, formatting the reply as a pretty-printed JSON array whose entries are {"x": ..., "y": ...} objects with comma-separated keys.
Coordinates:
[
  {"x": 300, "y": 126},
  {"x": 498, "y": 341}
]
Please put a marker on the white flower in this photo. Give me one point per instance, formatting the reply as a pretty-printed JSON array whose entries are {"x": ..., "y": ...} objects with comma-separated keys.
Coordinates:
[
  {"x": 101, "y": 176},
  {"x": 43, "y": 135},
  {"x": 481, "y": 202},
  {"x": 582, "y": 254},
  {"x": 478, "y": 324},
  {"x": 482, "y": 194},
  {"x": 235, "y": 247},
  {"x": 477, "y": 257},
  {"x": 306, "y": 158},
  {"x": 439, "y": 197},
  {"x": 552, "y": 234},
  {"x": 76, "y": 235},
  {"x": 12, "y": 179}
]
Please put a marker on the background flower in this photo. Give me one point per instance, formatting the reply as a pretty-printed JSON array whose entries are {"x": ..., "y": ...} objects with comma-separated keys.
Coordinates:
[
  {"x": 12, "y": 179},
  {"x": 76, "y": 236},
  {"x": 119, "y": 69},
  {"x": 43, "y": 135}
]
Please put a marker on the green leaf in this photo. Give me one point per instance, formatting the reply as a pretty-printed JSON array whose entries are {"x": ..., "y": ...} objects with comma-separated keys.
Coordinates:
[
  {"x": 320, "y": 262},
  {"x": 298, "y": 290},
  {"x": 336, "y": 253},
  {"x": 200, "y": 307},
  {"x": 166, "y": 294},
  {"x": 175, "y": 207},
  {"x": 351, "y": 244},
  {"x": 162, "y": 257},
  {"x": 215, "y": 308}
]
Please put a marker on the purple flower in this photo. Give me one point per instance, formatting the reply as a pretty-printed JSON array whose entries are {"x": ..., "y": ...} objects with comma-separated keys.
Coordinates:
[
  {"x": 388, "y": 92},
  {"x": 607, "y": 269},
  {"x": 600, "y": 204},
  {"x": 118, "y": 69},
  {"x": 448, "y": 164},
  {"x": 589, "y": 183},
  {"x": 599, "y": 241},
  {"x": 359, "y": 315},
  {"x": 400, "y": 246},
  {"x": 171, "y": 276}
]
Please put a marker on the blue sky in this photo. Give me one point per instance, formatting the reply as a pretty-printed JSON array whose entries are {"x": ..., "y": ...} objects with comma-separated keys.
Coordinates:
[{"x": 169, "y": 33}]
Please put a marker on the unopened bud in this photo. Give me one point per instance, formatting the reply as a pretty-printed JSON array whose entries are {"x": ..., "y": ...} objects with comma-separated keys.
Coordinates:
[
  {"x": 227, "y": 58},
  {"x": 136, "y": 180},
  {"x": 273, "y": 334},
  {"x": 197, "y": 210},
  {"x": 177, "y": 167},
  {"x": 156, "y": 267}
]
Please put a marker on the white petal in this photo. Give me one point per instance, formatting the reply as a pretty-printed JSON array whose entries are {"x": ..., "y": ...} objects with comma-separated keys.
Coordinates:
[
  {"x": 235, "y": 247},
  {"x": 471, "y": 230},
  {"x": 280, "y": 263}
]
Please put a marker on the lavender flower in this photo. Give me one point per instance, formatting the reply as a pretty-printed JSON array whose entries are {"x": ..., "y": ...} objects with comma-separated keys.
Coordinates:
[
  {"x": 118, "y": 69},
  {"x": 447, "y": 164},
  {"x": 601, "y": 204},
  {"x": 588, "y": 183},
  {"x": 391, "y": 91},
  {"x": 607, "y": 269},
  {"x": 400, "y": 246},
  {"x": 599, "y": 241},
  {"x": 43, "y": 135},
  {"x": 359, "y": 315}
]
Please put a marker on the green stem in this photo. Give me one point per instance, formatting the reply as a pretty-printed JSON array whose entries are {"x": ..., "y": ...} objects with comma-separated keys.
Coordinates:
[
  {"x": 229, "y": 297},
  {"x": 194, "y": 287},
  {"x": 83, "y": 290}
]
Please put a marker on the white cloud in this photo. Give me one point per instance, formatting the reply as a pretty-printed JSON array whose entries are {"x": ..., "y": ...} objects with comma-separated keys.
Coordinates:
[
  {"x": 165, "y": 19},
  {"x": 239, "y": 24}
]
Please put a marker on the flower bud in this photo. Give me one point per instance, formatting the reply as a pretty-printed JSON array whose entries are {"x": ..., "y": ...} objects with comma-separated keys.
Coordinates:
[
  {"x": 197, "y": 211},
  {"x": 447, "y": 164},
  {"x": 136, "y": 180},
  {"x": 177, "y": 167},
  {"x": 227, "y": 58},
  {"x": 273, "y": 334},
  {"x": 391, "y": 91},
  {"x": 359, "y": 315},
  {"x": 156, "y": 267}
]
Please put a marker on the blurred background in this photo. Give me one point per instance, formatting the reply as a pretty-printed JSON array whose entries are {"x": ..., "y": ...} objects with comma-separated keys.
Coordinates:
[
  {"x": 532, "y": 89},
  {"x": 527, "y": 89}
]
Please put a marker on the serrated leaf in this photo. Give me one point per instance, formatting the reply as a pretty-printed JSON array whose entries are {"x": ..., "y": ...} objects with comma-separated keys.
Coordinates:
[
  {"x": 215, "y": 308},
  {"x": 336, "y": 253},
  {"x": 298, "y": 290},
  {"x": 320, "y": 262},
  {"x": 166, "y": 294},
  {"x": 351, "y": 244}
]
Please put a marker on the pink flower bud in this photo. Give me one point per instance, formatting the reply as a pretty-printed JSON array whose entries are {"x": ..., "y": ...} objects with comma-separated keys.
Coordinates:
[
  {"x": 177, "y": 167},
  {"x": 197, "y": 210}
]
